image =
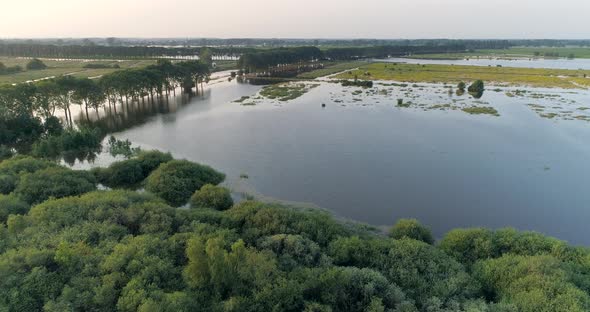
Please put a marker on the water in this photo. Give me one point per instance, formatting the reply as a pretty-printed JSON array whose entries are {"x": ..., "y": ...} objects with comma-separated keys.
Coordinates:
[
  {"x": 521, "y": 62},
  {"x": 370, "y": 161}
]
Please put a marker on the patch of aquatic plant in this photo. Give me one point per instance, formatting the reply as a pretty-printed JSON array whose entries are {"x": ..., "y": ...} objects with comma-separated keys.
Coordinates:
[
  {"x": 242, "y": 99},
  {"x": 286, "y": 92},
  {"x": 357, "y": 83},
  {"x": 479, "y": 110}
]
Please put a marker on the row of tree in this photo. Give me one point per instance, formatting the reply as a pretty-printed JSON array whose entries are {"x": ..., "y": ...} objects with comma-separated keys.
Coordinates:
[
  {"x": 100, "y": 51},
  {"x": 45, "y": 97},
  {"x": 263, "y": 60}
]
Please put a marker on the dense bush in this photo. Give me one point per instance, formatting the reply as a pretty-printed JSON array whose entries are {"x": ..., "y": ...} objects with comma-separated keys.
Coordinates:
[
  {"x": 476, "y": 87},
  {"x": 10, "y": 204},
  {"x": 211, "y": 196},
  {"x": 54, "y": 182},
  {"x": 36, "y": 64},
  {"x": 130, "y": 251},
  {"x": 411, "y": 228},
  {"x": 12, "y": 169},
  {"x": 177, "y": 180},
  {"x": 130, "y": 173}
]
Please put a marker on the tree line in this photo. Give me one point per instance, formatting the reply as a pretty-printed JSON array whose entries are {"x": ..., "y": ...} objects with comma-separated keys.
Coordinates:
[
  {"x": 263, "y": 60},
  {"x": 102, "y": 51},
  {"x": 27, "y": 109}
]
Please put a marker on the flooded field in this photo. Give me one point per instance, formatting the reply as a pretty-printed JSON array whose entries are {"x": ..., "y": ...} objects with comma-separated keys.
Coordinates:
[{"x": 510, "y": 158}]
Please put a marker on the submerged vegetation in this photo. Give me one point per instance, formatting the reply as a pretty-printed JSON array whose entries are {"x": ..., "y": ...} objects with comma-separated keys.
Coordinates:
[{"x": 286, "y": 91}]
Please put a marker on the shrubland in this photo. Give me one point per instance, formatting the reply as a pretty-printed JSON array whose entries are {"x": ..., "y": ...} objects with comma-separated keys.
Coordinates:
[{"x": 65, "y": 246}]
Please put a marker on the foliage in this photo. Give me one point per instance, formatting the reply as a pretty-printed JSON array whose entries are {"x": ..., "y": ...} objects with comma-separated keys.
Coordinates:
[
  {"x": 53, "y": 182},
  {"x": 130, "y": 251},
  {"x": 130, "y": 173},
  {"x": 211, "y": 196},
  {"x": 177, "y": 180},
  {"x": 476, "y": 87},
  {"x": 79, "y": 141},
  {"x": 411, "y": 228},
  {"x": 10, "y": 204},
  {"x": 119, "y": 147},
  {"x": 36, "y": 64}
]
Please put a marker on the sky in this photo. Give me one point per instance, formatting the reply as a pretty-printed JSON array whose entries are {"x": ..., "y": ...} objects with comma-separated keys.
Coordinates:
[{"x": 384, "y": 19}]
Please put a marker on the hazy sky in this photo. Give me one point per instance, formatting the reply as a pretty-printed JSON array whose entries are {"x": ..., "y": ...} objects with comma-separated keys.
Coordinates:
[{"x": 297, "y": 18}]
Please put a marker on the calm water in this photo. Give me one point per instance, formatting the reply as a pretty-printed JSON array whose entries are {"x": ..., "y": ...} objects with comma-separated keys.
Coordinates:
[
  {"x": 527, "y": 63},
  {"x": 367, "y": 160}
]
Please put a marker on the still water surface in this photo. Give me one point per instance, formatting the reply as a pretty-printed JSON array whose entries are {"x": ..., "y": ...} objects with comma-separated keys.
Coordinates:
[{"x": 367, "y": 160}]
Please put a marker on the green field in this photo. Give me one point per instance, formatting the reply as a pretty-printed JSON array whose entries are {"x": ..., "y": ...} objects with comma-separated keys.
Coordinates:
[
  {"x": 499, "y": 76},
  {"x": 332, "y": 68},
  {"x": 64, "y": 67}
]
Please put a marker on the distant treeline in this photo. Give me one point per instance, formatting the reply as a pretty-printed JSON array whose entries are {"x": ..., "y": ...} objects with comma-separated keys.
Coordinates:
[
  {"x": 99, "y": 51},
  {"x": 265, "y": 59},
  {"x": 277, "y": 42}
]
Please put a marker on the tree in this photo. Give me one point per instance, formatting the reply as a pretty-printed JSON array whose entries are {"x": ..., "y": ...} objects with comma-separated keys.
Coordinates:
[
  {"x": 177, "y": 180},
  {"x": 211, "y": 196},
  {"x": 476, "y": 87},
  {"x": 36, "y": 64},
  {"x": 411, "y": 228}
]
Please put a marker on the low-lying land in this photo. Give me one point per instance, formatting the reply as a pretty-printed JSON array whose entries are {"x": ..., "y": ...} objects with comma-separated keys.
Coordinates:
[
  {"x": 332, "y": 68},
  {"x": 78, "y": 68},
  {"x": 504, "y": 76}
]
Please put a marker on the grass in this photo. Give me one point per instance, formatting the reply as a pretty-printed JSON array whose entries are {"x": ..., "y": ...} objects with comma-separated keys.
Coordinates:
[
  {"x": 331, "y": 68},
  {"x": 285, "y": 92},
  {"x": 65, "y": 67},
  {"x": 507, "y": 76},
  {"x": 479, "y": 110}
]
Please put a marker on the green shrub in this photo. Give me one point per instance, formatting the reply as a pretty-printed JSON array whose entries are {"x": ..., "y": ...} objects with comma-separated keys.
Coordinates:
[
  {"x": 211, "y": 196},
  {"x": 411, "y": 228},
  {"x": 5, "y": 152},
  {"x": 36, "y": 64},
  {"x": 476, "y": 87},
  {"x": 10, "y": 204},
  {"x": 131, "y": 172},
  {"x": 126, "y": 173},
  {"x": 177, "y": 180},
  {"x": 54, "y": 182},
  {"x": 11, "y": 170}
]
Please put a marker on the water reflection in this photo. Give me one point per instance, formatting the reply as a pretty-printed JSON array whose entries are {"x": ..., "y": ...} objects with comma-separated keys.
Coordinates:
[{"x": 128, "y": 115}]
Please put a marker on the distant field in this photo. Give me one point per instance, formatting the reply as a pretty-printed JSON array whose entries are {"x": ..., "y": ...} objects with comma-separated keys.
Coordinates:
[
  {"x": 512, "y": 52},
  {"x": 332, "y": 68},
  {"x": 507, "y": 76},
  {"x": 64, "y": 67}
]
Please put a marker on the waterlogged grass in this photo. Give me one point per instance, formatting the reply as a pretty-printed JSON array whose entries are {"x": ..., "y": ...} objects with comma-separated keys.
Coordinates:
[
  {"x": 505, "y": 76},
  {"x": 65, "y": 67},
  {"x": 481, "y": 110},
  {"x": 332, "y": 68},
  {"x": 242, "y": 99},
  {"x": 286, "y": 91}
]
